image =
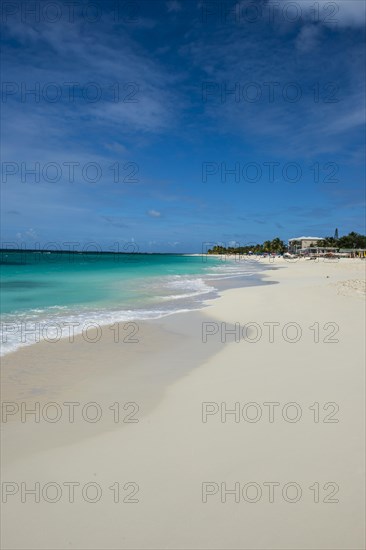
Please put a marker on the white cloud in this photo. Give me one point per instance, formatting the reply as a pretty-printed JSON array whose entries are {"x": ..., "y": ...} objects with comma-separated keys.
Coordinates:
[
  {"x": 139, "y": 94},
  {"x": 28, "y": 234},
  {"x": 116, "y": 148},
  {"x": 345, "y": 13},
  {"x": 154, "y": 213},
  {"x": 173, "y": 6},
  {"x": 308, "y": 121},
  {"x": 308, "y": 38},
  {"x": 31, "y": 233}
]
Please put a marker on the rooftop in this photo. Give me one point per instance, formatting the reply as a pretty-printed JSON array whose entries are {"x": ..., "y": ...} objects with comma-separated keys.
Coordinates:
[{"x": 306, "y": 238}]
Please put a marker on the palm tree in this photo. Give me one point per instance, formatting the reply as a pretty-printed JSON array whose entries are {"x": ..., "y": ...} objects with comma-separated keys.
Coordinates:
[{"x": 277, "y": 245}]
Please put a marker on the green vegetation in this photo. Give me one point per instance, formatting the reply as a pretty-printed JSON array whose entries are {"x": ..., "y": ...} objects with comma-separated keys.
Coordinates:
[
  {"x": 276, "y": 246},
  {"x": 352, "y": 240}
]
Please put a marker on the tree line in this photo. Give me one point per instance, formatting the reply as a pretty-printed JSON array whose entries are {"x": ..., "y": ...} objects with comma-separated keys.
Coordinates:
[
  {"x": 277, "y": 246},
  {"x": 352, "y": 240}
]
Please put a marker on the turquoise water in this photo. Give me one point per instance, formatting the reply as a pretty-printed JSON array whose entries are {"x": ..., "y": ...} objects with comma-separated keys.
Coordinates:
[
  {"x": 61, "y": 288},
  {"x": 39, "y": 280}
]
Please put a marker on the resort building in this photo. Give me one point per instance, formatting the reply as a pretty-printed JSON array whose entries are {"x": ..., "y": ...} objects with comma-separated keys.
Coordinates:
[
  {"x": 300, "y": 243},
  {"x": 307, "y": 247}
]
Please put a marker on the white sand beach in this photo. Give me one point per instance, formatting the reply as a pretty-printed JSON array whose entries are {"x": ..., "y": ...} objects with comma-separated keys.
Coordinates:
[{"x": 283, "y": 470}]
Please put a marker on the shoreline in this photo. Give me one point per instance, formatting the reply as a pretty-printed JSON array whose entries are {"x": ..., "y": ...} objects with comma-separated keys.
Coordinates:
[
  {"x": 171, "y": 451},
  {"x": 67, "y": 329},
  {"x": 68, "y": 325}
]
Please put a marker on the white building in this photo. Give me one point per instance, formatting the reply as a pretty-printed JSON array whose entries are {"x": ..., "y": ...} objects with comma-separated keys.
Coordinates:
[{"x": 298, "y": 243}]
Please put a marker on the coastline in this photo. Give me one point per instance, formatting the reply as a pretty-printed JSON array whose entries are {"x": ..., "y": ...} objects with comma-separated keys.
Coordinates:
[
  {"x": 170, "y": 451},
  {"x": 135, "y": 298}
]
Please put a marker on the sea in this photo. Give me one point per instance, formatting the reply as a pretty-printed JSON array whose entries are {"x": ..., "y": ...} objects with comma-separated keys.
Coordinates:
[{"x": 45, "y": 293}]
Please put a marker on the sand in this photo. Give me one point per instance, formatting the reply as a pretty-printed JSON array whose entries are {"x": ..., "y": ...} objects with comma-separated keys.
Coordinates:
[{"x": 212, "y": 443}]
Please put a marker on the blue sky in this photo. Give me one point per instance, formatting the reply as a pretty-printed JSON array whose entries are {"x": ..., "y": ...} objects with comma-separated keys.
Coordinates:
[{"x": 185, "y": 123}]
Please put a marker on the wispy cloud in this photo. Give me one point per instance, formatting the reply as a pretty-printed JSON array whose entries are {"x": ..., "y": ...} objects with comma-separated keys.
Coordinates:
[
  {"x": 292, "y": 87},
  {"x": 154, "y": 213},
  {"x": 173, "y": 6},
  {"x": 308, "y": 38},
  {"x": 344, "y": 13},
  {"x": 134, "y": 95}
]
